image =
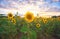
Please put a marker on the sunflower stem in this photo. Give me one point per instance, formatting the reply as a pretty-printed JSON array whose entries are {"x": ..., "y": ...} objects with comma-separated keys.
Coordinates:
[{"x": 28, "y": 31}]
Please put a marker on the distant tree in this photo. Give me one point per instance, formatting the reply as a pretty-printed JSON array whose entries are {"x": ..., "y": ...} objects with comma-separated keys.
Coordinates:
[
  {"x": 2, "y": 15},
  {"x": 54, "y": 16},
  {"x": 58, "y": 16}
]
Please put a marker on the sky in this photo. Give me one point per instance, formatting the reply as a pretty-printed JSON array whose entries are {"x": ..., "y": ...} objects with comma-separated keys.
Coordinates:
[{"x": 34, "y": 6}]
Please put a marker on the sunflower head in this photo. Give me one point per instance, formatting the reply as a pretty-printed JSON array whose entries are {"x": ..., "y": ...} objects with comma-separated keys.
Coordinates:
[
  {"x": 10, "y": 15},
  {"x": 38, "y": 25},
  {"x": 29, "y": 16},
  {"x": 44, "y": 20},
  {"x": 14, "y": 21}
]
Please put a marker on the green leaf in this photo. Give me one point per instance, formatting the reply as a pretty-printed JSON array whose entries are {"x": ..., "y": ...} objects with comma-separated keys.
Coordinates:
[
  {"x": 33, "y": 34},
  {"x": 24, "y": 29}
]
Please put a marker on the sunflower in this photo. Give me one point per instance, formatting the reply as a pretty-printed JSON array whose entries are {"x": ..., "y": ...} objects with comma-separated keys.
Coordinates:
[
  {"x": 10, "y": 15},
  {"x": 38, "y": 25},
  {"x": 14, "y": 21},
  {"x": 44, "y": 20},
  {"x": 29, "y": 17}
]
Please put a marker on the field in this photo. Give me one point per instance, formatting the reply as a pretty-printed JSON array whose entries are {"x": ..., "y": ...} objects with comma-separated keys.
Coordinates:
[{"x": 39, "y": 28}]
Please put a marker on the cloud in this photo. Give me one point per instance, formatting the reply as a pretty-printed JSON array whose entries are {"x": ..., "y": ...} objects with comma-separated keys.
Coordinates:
[
  {"x": 56, "y": 0},
  {"x": 5, "y": 11},
  {"x": 53, "y": 9},
  {"x": 17, "y": 4},
  {"x": 39, "y": 5}
]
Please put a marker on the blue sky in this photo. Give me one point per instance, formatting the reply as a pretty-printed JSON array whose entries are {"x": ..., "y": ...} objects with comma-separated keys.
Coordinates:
[{"x": 40, "y": 5}]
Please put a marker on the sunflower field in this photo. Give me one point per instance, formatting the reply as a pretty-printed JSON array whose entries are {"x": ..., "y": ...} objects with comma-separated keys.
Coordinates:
[{"x": 29, "y": 27}]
